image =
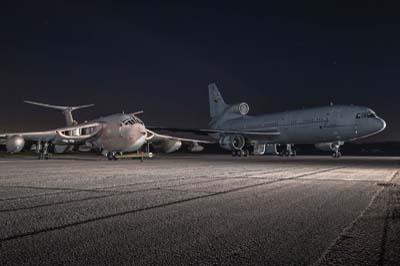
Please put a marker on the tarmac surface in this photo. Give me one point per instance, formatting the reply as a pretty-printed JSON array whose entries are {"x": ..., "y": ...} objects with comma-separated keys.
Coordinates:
[{"x": 200, "y": 210}]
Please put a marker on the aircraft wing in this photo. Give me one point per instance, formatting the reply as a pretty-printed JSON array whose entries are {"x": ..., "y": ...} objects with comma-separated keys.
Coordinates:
[
  {"x": 270, "y": 133},
  {"x": 78, "y": 133},
  {"x": 153, "y": 136},
  {"x": 168, "y": 144},
  {"x": 30, "y": 136}
]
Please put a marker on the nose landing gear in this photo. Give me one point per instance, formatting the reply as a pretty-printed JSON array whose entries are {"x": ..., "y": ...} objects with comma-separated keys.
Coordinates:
[
  {"x": 336, "y": 150},
  {"x": 111, "y": 156}
]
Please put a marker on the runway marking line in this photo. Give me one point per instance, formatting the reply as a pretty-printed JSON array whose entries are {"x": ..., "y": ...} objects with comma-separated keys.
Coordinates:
[
  {"x": 344, "y": 233},
  {"x": 113, "y": 215},
  {"x": 107, "y": 189},
  {"x": 112, "y": 193}
]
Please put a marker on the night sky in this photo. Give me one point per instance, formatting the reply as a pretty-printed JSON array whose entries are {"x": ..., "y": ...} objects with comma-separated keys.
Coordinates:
[{"x": 160, "y": 57}]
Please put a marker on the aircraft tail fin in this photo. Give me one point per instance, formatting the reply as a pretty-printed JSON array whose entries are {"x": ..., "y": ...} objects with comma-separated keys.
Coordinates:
[
  {"x": 66, "y": 110},
  {"x": 217, "y": 103}
]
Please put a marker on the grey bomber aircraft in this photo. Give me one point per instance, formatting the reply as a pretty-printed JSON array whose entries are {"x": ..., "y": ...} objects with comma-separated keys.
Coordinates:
[
  {"x": 326, "y": 127},
  {"x": 112, "y": 134}
]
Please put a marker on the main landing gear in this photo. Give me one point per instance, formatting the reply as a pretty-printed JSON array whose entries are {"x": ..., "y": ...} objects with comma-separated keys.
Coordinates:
[
  {"x": 42, "y": 150},
  {"x": 289, "y": 151},
  {"x": 241, "y": 153}
]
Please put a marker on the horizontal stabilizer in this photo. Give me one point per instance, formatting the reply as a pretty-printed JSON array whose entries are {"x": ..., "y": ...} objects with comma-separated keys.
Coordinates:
[
  {"x": 66, "y": 110},
  {"x": 59, "y": 107}
]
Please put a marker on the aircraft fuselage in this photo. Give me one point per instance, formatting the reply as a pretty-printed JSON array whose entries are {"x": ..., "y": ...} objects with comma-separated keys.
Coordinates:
[{"x": 309, "y": 126}]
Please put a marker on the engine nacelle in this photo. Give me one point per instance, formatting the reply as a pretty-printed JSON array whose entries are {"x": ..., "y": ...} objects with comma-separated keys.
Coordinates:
[
  {"x": 167, "y": 146},
  {"x": 233, "y": 142},
  {"x": 241, "y": 108},
  {"x": 325, "y": 146},
  {"x": 60, "y": 148},
  {"x": 195, "y": 147},
  {"x": 15, "y": 144}
]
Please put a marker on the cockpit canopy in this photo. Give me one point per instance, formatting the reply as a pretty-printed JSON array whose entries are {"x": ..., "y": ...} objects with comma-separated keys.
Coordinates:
[
  {"x": 131, "y": 120},
  {"x": 367, "y": 114}
]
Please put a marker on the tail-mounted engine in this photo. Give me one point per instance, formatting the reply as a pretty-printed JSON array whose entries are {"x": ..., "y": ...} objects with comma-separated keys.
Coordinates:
[
  {"x": 241, "y": 108},
  {"x": 232, "y": 142}
]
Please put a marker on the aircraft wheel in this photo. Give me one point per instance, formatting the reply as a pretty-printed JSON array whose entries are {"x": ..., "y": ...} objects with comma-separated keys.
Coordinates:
[
  {"x": 246, "y": 153},
  {"x": 110, "y": 156},
  {"x": 234, "y": 153},
  {"x": 294, "y": 154}
]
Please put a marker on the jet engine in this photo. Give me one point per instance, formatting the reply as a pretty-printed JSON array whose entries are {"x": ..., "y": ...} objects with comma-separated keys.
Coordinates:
[
  {"x": 325, "y": 146},
  {"x": 241, "y": 108},
  {"x": 15, "y": 144},
  {"x": 60, "y": 148},
  {"x": 167, "y": 146},
  {"x": 233, "y": 142},
  {"x": 195, "y": 147}
]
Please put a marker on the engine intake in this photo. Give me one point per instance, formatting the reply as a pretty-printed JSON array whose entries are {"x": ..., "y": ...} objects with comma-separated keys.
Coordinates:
[
  {"x": 325, "y": 146},
  {"x": 233, "y": 142},
  {"x": 15, "y": 144},
  {"x": 167, "y": 146},
  {"x": 241, "y": 108}
]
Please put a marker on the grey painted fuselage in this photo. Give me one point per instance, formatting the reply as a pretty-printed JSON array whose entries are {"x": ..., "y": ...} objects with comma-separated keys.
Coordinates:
[{"x": 307, "y": 126}]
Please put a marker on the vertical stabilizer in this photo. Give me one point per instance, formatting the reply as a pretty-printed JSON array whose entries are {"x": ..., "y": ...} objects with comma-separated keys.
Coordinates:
[
  {"x": 66, "y": 110},
  {"x": 217, "y": 103}
]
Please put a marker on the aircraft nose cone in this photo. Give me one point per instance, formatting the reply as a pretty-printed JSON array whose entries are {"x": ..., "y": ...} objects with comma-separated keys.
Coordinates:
[{"x": 380, "y": 124}]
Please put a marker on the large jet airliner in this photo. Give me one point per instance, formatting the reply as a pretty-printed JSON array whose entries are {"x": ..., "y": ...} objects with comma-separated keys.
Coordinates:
[
  {"x": 112, "y": 134},
  {"x": 326, "y": 127}
]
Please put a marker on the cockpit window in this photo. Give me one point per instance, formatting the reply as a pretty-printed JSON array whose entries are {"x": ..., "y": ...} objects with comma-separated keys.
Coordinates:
[
  {"x": 139, "y": 121},
  {"x": 369, "y": 114},
  {"x": 132, "y": 120}
]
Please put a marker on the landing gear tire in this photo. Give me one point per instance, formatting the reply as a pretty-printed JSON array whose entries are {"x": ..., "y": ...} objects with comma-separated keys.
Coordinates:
[
  {"x": 337, "y": 154},
  {"x": 111, "y": 156},
  {"x": 42, "y": 150},
  {"x": 246, "y": 153}
]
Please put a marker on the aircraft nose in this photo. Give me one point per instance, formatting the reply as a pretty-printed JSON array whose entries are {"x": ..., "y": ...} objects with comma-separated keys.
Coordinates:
[{"x": 380, "y": 124}]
